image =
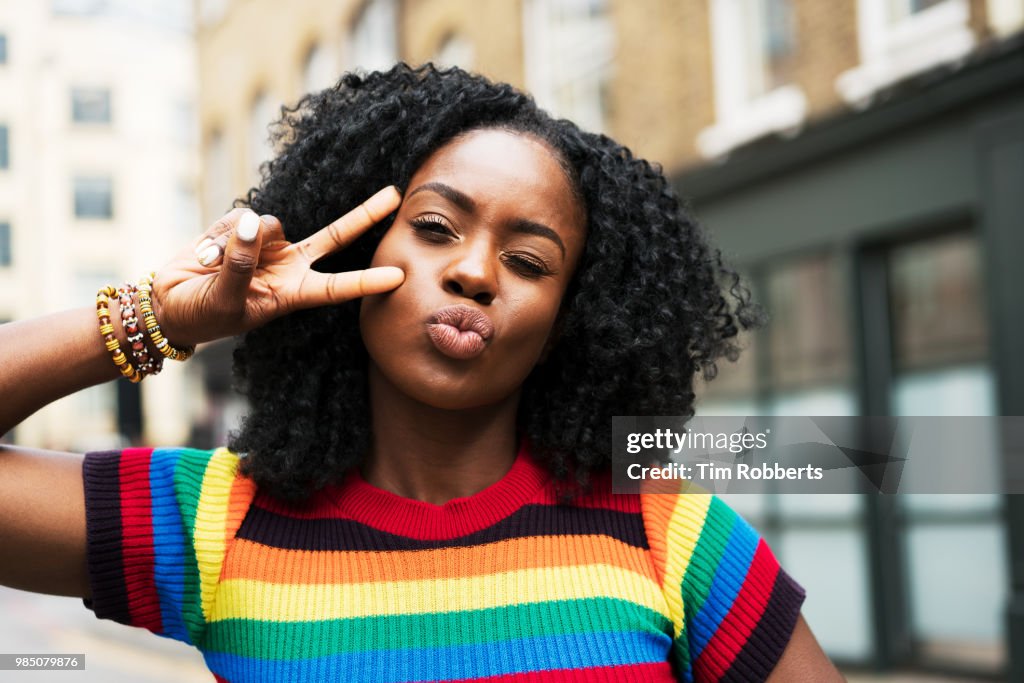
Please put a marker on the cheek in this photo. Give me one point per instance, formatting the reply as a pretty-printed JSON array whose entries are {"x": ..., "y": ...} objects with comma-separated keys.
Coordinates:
[{"x": 533, "y": 320}]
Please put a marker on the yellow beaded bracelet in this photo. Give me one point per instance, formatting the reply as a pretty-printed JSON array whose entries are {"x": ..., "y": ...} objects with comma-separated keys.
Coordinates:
[
  {"x": 145, "y": 289},
  {"x": 109, "y": 340}
]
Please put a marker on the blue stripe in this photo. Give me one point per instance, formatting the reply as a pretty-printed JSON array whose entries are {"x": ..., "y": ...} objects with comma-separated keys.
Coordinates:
[
  {"x": 725, "y": 586},
  {"x": 541, "y": 653},
  {"x": 169, "y": 543}
]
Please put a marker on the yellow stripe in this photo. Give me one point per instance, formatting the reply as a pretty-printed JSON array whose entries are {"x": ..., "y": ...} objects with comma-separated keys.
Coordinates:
[
  {"x": 211, "y": 523},
  {"x": 683, "y": 530},
  {"x": 248, "y": 599}
]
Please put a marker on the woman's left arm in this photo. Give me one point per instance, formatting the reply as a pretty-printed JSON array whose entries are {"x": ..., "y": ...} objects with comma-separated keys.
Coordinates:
[{"x": 804, "y": 660}]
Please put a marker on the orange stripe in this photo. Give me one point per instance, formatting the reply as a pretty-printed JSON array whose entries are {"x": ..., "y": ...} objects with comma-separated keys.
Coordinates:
[
  {"x": 243, "y": 490},
  {"x": 248, "y": 560}
]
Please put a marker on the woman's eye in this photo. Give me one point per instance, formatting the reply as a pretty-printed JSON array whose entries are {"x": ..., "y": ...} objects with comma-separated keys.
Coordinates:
[
  {"x": 527, "y": 266},
  {"x": 430, "y": 227}
]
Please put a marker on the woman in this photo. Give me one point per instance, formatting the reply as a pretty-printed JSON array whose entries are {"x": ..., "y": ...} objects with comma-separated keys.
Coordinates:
[{"x": 424, "y": 492}]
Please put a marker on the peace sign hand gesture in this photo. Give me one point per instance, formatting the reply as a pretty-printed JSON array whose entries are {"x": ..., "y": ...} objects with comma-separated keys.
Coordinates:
[{"x": 242, "y": 273}]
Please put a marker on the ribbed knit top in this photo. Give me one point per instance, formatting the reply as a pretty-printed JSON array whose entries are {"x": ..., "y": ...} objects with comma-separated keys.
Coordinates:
[{"x": 359, "y": 584}]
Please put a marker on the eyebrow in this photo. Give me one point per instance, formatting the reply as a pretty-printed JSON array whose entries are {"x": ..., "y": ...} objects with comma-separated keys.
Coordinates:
[
  {"x": 466, "y": 203},
  {"x": 459, "y": 199}
]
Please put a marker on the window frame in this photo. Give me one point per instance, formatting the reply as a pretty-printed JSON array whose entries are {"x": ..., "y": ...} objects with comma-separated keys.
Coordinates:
[
  {"x": 739, "y": 118},
  {"x": 893, "y": 50}
]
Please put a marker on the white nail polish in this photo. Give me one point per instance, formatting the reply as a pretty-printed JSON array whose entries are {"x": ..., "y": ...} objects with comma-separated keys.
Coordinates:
[
  {"x": 209, "y": 255},
  {"x": 203, "y": 246},
  {"x": 248, "y": 225}
]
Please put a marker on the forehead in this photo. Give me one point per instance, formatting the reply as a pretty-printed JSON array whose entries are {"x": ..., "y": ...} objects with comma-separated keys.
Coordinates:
[{"x": 503, "y": 169}]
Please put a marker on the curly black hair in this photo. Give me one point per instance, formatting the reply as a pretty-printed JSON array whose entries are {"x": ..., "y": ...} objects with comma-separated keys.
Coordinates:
[{"x": 651, "y": 303}]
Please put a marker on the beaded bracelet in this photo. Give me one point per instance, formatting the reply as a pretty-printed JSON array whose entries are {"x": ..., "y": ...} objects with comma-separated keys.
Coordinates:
[
  {"x": 145, "y": 364},
  {"x": 145, "y": 289},
  {"x": 109, "y": 340}
]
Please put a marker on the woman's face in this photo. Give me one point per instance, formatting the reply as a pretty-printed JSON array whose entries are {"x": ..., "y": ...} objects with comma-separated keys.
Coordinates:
[{"x": 488, "y": 234}]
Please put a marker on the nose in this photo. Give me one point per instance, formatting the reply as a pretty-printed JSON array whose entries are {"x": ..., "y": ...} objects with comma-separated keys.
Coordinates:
[{"x": 472, "y": 273}]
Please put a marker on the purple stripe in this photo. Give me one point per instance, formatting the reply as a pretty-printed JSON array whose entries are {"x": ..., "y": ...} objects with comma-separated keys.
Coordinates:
[
  {"x": 764, "y": 647},
  {"x": 101, "y": 479},
  {"x": 280, "y": 531}
]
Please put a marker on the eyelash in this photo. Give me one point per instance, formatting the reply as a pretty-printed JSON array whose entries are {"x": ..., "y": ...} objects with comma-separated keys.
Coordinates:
[
  {"x": 435, "y": 229},
  {"x": 431, "y": 225}
]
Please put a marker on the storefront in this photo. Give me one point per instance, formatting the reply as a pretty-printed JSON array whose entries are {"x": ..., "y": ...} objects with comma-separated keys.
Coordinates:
[{"x": 886, "y": 245}]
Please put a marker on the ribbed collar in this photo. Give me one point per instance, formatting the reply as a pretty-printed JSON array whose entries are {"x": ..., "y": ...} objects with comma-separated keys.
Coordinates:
[{"x": 387, "y": 511}]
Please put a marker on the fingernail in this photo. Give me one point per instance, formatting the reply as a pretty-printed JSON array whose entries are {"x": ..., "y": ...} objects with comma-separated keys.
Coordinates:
[
  {"x": 203, "y": 246},
  {"x": 248, "y": 226},
  {"x": 209, "y": 255}
]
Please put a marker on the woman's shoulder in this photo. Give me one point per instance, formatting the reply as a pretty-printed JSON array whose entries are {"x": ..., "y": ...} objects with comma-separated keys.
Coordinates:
[{"x": 191, "y": 476}]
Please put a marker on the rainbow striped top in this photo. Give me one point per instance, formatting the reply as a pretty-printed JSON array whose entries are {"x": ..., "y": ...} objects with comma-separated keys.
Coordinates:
[{"x": 359, "y": 584}]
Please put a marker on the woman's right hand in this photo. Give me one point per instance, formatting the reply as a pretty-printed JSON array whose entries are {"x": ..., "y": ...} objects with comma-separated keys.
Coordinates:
[{"x": 244, "y": 283}]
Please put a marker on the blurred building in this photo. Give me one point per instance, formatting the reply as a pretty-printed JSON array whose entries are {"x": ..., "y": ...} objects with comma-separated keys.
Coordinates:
[
  {"x": 98, "y": 181},
  {"x": 879, "y": 235}
]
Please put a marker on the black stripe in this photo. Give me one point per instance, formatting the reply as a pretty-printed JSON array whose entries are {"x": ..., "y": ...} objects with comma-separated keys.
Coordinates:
[
  {"x": 101, "y": 478},
  {"x": 279, "y": 531},
  {"x": 769, "y": 638}
]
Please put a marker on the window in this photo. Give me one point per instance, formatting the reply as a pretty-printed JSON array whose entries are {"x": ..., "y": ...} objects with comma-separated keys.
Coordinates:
[
  {"x": 937, "y": 306},
  {"x": 4, "y": 154},
  {"x": 455, "y": 51},
  {"x": 754, "y": 51},
  {"x": 3, "y": 49},
  {"x": 373, "y": 43},
  {"x": 899, "y": 38},
  {"x": 807, "y": 338},
  {"x": 94, "y": 197},
  {"x": 940, "y": 342},
  {"x": 569, "y": 49},
  {"x": 800, "y": 363},
  {"x": 90, "y": 105},
  {"x": 318, "y": 69},
  {"x": 5, "y": 244},
  {"x": 261, "y": 114}
]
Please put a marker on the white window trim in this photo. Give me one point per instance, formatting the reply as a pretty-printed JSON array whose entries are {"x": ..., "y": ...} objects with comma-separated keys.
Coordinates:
[
  {"x": 739, "y": 119},
  {"x": 891, "y": 52},
  {"x": 372, "y": 43},
  {"x": 558, "y": 54}
]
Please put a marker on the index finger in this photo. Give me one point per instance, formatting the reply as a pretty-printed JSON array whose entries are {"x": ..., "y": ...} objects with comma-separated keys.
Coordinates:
[{"x": 343, "y": 231}]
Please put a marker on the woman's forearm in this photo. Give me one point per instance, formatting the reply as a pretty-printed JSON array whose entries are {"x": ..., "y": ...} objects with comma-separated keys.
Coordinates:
[{"x": 44, "y": 359}]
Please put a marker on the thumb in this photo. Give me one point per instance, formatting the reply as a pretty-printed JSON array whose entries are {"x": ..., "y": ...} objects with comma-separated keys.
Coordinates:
[{"x": 241, "y": 256}]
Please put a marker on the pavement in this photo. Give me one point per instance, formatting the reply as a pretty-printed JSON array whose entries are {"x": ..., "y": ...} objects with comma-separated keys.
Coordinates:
[{"x": 51, "y": 625}]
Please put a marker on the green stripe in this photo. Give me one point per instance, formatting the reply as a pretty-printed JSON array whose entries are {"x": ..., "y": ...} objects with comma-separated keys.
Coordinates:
[
  {"x": 302, "y": 640},
  {"x": 707, "y": 554},
  {"x": 189, "y": 471}
]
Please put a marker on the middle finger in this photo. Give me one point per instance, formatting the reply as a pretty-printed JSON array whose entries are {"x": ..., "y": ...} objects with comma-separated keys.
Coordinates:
[{"x": 343, "y": 231}]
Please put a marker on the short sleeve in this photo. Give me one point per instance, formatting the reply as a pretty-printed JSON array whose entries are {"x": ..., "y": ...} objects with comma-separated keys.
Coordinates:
[
  {"x": 732, "y": 606},
  {"x": 158, "y": 523}
]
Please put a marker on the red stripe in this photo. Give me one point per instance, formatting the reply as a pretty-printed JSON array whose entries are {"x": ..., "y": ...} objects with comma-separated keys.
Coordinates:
[
  {"x": 220, "y": 679},
  {"x": 138, "y": 555},
  {"x": 645, "y": 673},
  {"x": 739, "y": 623},
  {"x": 322, "y": 504}
]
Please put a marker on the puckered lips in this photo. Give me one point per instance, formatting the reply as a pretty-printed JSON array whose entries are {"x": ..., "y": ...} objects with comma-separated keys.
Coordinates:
[{"x": 460, "y": 331}]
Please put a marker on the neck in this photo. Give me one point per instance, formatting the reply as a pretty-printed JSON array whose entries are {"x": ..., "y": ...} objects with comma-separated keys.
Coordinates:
[{"x": 434, "y": 455}]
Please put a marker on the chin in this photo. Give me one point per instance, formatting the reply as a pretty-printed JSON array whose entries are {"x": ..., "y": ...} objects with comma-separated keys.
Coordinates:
[{"x": 437, "y": 382}]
